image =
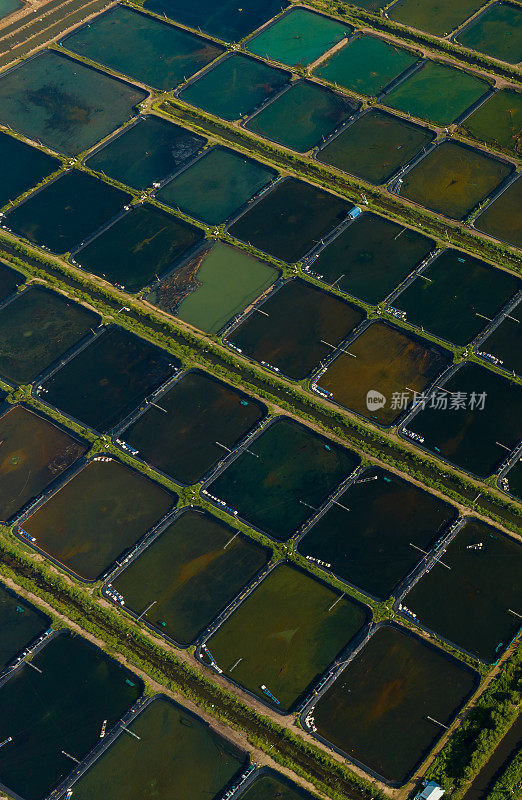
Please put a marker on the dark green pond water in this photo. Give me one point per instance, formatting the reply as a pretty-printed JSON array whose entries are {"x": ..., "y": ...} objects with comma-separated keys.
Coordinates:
[
  {"x": 63, "y": 103},
  {"x": 200, "y": 412},
  {"x": 146, "y": 152},
  {"x": 439, "y": 17},
  {"x": 299, "y": 320},
  {"x": 514, "y": 477},
  {"x": 289, "y": 221},
  {"x": 469, "y": 603},
  {"x": 498, "y": 121},
  {"x": 22, "y": 167},
  {"x": 235, "y": 86},
  {"x": 9, "y": 6},
  {"x": 109, "y": 378},
  {"x": 298, "y": 37},
  {"x": 100, "y": 513},
  {"x": 371, "y": 257},
  {"x": 216, "y": 186},
  {"x": 506, "y": 342},
  {"x": 455, "y": 294},
  {"x": 387, "y": 360},
  {"x": 33, "y": 453},
  {"x": 140, "y": 246},
  {"x": 225, "y": 21},
  {"x": 503, "y": 218},
  {"x": 155, "y": 53},
  {"x": 375, "y": 146},
  {"x": 437, "y": 93},
  {"x": 453, "y": 179},
  {"x": 191, "y": 573},
  {"x": 36, "y": 329},
  {"x": 468, "y": 436},
  {"x": 377, "y": 710},
  {"x": 62, "y": 706},
  {"x": 292, "y": 469},
  {"x": 303, "y": 116},
  {"x": 285, "y": 634},
  {"x": 273, "y": 786},
  {"x": 176, "y": 757},
  {"x": 20, "y": 624},
  {"x": 9, "y": 280},
  {"x": 371, "y": 544},
  {"x": 366, "y": 65},
  {"x": 497, "y": 32},
  {"x": 213, "y": 286},
  {"x": 66, "y": 211}
]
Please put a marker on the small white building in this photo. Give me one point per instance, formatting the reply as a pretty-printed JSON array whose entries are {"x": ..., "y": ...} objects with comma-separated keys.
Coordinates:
[{"x": 431, "y": 791}]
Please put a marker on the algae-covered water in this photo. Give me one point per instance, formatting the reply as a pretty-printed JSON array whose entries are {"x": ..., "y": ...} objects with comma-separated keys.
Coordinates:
[
  {"x": 438, "y": 17},
  {"x": 497, "y": 32}
]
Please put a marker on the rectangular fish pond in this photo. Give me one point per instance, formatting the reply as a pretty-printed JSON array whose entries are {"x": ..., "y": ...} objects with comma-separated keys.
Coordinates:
[
  {"x": 497, "y": 32},
  {"x": 456, "y": 296},
  {"x": 498, "y": 122},
  {"x": 23, "y": 167},
  {"x": 189, "y": 574},
  {"x": 109, "y": 378},
  {"x": 370, "y": 257},
  {"x": 503, "y": 217},
  {"x": 438, "y": 17},
  {"x": 505, "y": 342},
  {"x": 268, "y": 784},
  {"x": 9, "y": 7},
  {"x": 296, "y": 328},
  {"x": 377, "y": 531},
  {"x": 66, "y": 211},
  {"x": 286, "y": 473},
  {"x": 475, "y": 429},
  {"x": 33, "y": 453},
  {"x": 216, "y": 186},
  {"x": 20, "y": 625},
  {"x": 146, "y": 152},
  {"x": 385, "y": 708},
  {"x": 37, "y": 327},
  {"x": 56, "y": 712},
  {"x": 290, "y": 220},
  {"x": 65, "y": 104},
  {"x": 212, "y": 286},
  {"x": 454, "y": 178},
  {"x": 472, "y": 596},
  {"x": 234, "y": 87},
  {"x": 10, "y": 280},
  {"x": 173, "y": 754},
  {"x": 197, "y": 422},
  {"x": 386, "y": 360},
  {"x": 100, "y": 513},
  {"x": 375, "y": 146},
  {"x": 284, "y": 635},
  {"x": 156, "y": 53},
  {"x": 303, "y": 116},
  {"x": 140, "y": 246}
]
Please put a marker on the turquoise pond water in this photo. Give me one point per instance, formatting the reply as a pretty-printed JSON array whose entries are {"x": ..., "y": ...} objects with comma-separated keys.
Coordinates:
[{"x": 8, "y": 6}]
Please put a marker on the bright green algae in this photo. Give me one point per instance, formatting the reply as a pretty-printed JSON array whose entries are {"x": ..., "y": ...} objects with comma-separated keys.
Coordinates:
[
  {"x": 285, "y": 634},
  {"x": 298, "y": 37},
  {"x": 9, "y": 280},
  {"x": 497, "y": 32},
  {"x": 191, "y": 573},
  {"x": 371, "y": 257},
  {"x": 503, "y": 217},
  {"x": 20, "y": 624},
  {"x": 292, "y": 469},
  {"x": 65, "y": 104},
  {"x": 176, "y": 756},
  {"x": 155, "y": 53},
  {"x": 146, "y": 153},
  {"x": 216, "y": 185},
  {"x": 437, "y": 93},
  {"x": 439, "y": 17},
  {"x": 456, "y": 296},
  {"x": 66, "y": 211},
  {"x": 204, "y": 418},
  {"x": 99, "y": 514},
  {"x": 375, "y": 146},
  {"x": 235, "y": 86},
  {"x": 453, "y": 179},
  {"x": 33, "y": 454},
  {"x": 212, "y": 286},
  {"x": 365, "y": 65},
  {"x": 303, "y": 116},
  {"x": 140, "y": 246},
  {"x": 22, "y": 167},
  {"x": 61, "y": 706},
  {"x": 498, "y": 121},
  {"x": 36, "y": 328}
]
